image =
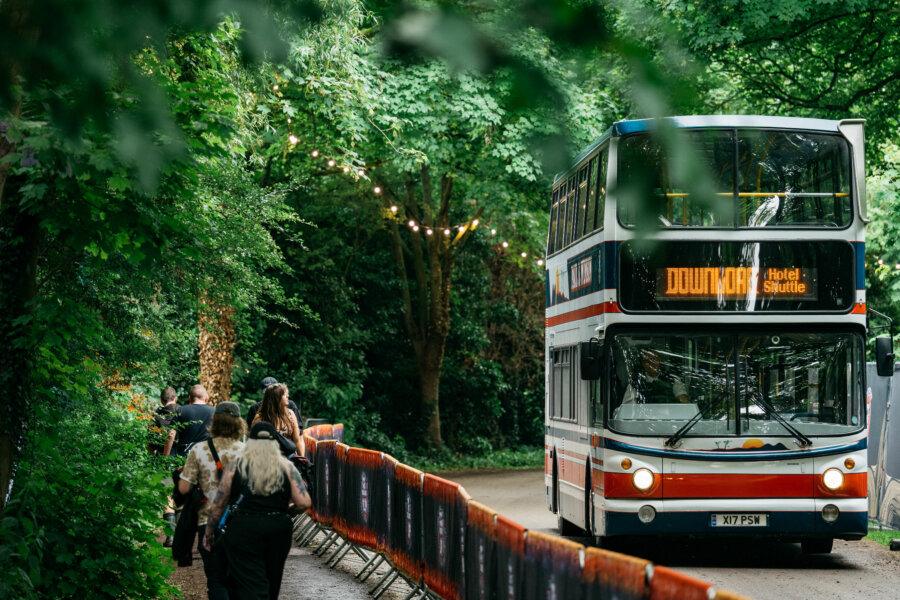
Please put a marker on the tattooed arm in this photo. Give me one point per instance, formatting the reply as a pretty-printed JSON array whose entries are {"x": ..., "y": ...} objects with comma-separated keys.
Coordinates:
[
  {"x": 299, "y": 493},
  {"x": 218, "y": 506}
]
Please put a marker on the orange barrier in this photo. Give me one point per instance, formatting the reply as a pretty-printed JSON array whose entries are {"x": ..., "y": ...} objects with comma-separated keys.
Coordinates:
[
  {"x": 552, "y": 567},
  {"x": 479, "y": 552},
  {"x": 325, "y": 481},
  {"x": 612, "y": 575},
  {"x": 406, "y": 522},
  {"x": 510, "y": 551},
  {"x": 339, "y": 523},
  {"x": 667, "y": 584},
  {"x": 435, "y": 534},
  {"x": 338, "y": 432},
  {"x": 444, "y": 528},
  {"x": 384, "y": 505},
  {"x": 362, "y": 480}
]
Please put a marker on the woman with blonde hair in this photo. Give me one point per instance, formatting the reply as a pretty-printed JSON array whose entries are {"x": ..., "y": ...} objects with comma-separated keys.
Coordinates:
[
  {"x": 274, "y": 409},
  {"x": 259, "y": 486}
]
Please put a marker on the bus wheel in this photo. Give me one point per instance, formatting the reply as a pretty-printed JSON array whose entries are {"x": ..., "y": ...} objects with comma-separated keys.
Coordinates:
[{"x": 817, "y": 546}]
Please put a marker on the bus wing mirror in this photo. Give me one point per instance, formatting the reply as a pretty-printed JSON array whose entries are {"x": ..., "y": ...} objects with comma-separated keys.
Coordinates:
[
  {"x": 591, "y": 360},
  {"x": 884, "y": 356}
]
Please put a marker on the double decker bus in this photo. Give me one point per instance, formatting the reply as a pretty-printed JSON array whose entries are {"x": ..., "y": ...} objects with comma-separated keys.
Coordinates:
[{"x": 705, "y": 332}]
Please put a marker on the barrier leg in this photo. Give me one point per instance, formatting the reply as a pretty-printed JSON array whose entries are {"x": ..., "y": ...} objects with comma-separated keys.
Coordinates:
[
  {"x": 360, "y": 552},
  {"x": 304, "y": 530},
  {"x": 330, "y": 540},
  {"x": 313, "y": 532},
  {"x": 376, "y": 560},
  {"x": 339, "y": 554},
  {"x": 389, "y": 577}
]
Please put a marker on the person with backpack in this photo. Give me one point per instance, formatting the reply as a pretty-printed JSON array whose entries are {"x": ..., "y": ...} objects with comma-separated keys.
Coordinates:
[
  {"x": 258, "y": 489},
  {"x": 203, "y": 468},
  {"x": 192, "y": 421}
]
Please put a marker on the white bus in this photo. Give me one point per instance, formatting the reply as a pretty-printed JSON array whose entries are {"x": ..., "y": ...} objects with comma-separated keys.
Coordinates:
[{"x": 705, "y": 332}]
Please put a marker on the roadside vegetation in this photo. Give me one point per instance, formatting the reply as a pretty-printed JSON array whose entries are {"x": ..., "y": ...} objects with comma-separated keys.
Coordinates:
[
  {"x": 882, "y": 536},
  {"x": 347, "y": 195}
]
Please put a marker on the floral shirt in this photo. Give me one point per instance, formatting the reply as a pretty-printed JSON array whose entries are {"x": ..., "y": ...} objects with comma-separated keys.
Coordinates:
[{"x": 200, "y": 468}]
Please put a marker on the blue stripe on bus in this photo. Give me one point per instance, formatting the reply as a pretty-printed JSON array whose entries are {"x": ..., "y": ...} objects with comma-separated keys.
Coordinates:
[
  {"x": 860, "y": 248},
  {"x": 781, "y": 524},
  {"x": 732, "y": 455}
]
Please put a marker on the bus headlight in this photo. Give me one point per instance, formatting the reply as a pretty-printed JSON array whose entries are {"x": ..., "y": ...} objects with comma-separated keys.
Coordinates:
[
  {"x": 833, "y": 479},
  {"x": 830, "y": 513},
  {"x": 642, "y": 479}
]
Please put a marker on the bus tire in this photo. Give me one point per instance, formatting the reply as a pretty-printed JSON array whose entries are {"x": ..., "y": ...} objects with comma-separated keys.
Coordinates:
[{"x": 817, "y": 545}]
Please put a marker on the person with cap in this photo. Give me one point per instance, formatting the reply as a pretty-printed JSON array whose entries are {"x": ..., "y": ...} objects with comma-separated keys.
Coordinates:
[
  {"x": 275, "y": 409},
  {"x": 251, "y": 413},
  {"x": 259, "y": 487},
  {"x": 204, "y": 465}
]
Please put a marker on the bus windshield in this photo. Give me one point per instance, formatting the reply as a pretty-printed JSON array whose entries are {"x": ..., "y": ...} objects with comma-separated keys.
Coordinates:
[
  {"x": 756, "y": 178},
  {"x": 741, "y": 383}
]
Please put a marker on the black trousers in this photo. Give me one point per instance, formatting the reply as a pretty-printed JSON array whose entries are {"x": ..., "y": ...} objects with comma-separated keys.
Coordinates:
[
  {"x": 256, "y": 547},
  {"x": 215, "y": 566}
]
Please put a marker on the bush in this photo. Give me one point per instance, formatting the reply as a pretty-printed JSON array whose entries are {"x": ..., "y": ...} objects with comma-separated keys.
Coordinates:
[{"x": 86, "y": 507}]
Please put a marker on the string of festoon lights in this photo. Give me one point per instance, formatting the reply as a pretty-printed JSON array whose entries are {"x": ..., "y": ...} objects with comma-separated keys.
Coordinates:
[{"x": 413, "y": 224}]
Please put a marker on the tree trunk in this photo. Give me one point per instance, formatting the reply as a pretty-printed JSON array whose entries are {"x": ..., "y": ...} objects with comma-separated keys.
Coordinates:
[
  {"x": 216, "y": 346},
  {"x": 18, "y": 288}
]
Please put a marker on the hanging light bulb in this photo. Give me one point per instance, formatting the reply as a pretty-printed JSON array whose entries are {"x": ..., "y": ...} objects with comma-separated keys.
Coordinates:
[
  {"x": 493, "y": 232},
  {"x": 880, "y": 261},
  {"x": 524, "y": 255},
  {"x": 429, "y": 231},
  {"x": 462, "y": 228},
  {"x": 446, "y": 232},
  {"x": 331, "y": 162},
  {"x": 394, "y": 208},
  {"x": 506, "y": 244},
  {"x": 540, "y": 262},
  {"x": 346, "y": 169},
  {"x": 377, "y": 190},
  {"x": 289, "y": 121},
  {"x": 361, "y": 172},
  {"x": 293, "y": 139},
  {"x": 415, "y": 227},
  {"x": 275, "y": 87},
  {"x": 475, "y": 223},
  {"x": 314, "y": 153},
  {"x": 412, "y": 223}
]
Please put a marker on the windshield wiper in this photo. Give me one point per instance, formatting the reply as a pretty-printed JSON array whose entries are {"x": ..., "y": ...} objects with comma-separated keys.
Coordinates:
[
  {"x": 676, "y": 437},
  {"x": 770, "y": 410}
]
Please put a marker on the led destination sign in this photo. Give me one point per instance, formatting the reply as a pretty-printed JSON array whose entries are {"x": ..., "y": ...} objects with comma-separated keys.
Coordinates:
[
  {"x": 734, "y": 283},
  {"x": 681, "y": 276}
]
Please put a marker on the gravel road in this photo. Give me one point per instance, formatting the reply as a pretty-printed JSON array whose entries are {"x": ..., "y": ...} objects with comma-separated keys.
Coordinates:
[{"x": 777, "y": 571}]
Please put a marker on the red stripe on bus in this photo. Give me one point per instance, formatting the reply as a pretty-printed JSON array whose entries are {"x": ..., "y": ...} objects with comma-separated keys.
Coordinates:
[
  {"x": 737, "y": 485},
  {"x": 583, "y": 313},
  {"x": 619, "y": 485},
  {"x": 573, "y": 454},
  {"x": 855, "y": 486}
]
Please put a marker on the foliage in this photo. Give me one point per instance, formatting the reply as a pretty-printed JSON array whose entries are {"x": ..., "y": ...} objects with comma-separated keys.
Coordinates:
[
  {"x": 86, "y": 510},
  {"x": 520, "y": 457}
]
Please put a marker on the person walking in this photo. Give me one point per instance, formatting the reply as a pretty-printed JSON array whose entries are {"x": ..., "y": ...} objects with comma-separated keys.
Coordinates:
[
  {"x": 259, "y": 487},
  {"x": 192, "y": 422},
  {"x": 251, "y": 412},
  {"x": 204, "y": 465},
  {"x": 274, "y": 409}
]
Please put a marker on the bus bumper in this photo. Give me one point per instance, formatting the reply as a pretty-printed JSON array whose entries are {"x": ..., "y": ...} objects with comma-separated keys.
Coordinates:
[{"x": 788, "y": 519}]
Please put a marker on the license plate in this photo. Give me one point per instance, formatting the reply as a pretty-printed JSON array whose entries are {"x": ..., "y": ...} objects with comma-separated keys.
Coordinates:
[{"x": 739, "y": 520}]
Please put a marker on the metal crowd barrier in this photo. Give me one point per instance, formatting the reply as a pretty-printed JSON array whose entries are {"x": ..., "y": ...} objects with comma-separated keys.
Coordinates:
[{"x": 431, "y": 534}]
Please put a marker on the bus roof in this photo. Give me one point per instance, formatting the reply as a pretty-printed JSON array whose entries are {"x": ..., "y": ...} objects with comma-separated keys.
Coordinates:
[{"x": 620, "y": 128}]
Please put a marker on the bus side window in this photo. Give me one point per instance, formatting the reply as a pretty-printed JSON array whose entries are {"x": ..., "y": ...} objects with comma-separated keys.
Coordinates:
[
  {"x": 590, "y": 203},
  {"x": 561, "y": 217},
  {"x": 580, "y": 204},
  {"x": 570, "y": 213},
  {"x": 601, "y": 189},
  {"x": 554, "y": 209}
]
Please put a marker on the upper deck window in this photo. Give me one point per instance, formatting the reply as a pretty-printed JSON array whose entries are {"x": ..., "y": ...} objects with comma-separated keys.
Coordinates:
[{"x": 731, "y": 178}]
